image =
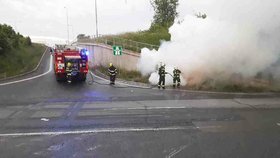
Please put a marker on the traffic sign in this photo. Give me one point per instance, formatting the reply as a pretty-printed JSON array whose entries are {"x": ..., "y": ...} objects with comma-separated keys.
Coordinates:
[{"x": 117, "y": 50}]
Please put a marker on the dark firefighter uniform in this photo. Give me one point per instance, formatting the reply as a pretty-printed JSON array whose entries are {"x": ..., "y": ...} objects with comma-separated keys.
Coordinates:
[
  {"x": 112, "y": 72},
  {"x": 68, "y": 71},
  {"x": 161, "y": 72},
  {"x": 176, "y": 77}
]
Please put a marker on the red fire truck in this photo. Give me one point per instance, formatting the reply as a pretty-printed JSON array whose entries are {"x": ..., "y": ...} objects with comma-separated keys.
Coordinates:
[{"x": 70, "y": 63}]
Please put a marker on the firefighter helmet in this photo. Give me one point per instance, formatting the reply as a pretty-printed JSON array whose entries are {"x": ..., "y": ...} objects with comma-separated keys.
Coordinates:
[
  {"x": 111, "y": 64},
  {"x": 69, "y": 64}
]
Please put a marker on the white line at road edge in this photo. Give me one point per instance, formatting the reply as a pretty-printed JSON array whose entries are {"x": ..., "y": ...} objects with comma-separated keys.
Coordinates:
[
  {"x": 31, "y": 78},
  {"x": 107, "y": 130},
  {"x": 119, "y": 82},
  {"x": 181, "y": 90}
]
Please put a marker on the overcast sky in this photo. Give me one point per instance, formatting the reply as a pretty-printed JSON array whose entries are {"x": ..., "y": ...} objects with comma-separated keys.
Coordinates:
[{"x": 47, "y": 18}]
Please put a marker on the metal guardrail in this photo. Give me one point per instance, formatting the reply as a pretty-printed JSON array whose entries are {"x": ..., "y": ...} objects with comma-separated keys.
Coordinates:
[{"x": 125, "y": 43}]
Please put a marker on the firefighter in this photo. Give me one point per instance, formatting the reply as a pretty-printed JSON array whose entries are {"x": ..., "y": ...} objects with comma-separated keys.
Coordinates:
[
  {"x": 176, "y": 78},
  {"x": 68, "y": 66},
  {"x": 161, "y": 72},
  {"x": 112, "y": 72},
  {"x": 68, "y": 72}
]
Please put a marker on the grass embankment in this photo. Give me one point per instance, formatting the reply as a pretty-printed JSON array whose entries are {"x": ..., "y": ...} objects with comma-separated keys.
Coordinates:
[
  {"x": 17, "y": 53},
  {"x": 135, "y": 41},
  {"x": 246, "y": 86},
  {"x": 152, "y": 36},
  {"x": 156, "y": 34},
  {"x": 134, "y": 76},
  {"x": 22, "y": 59}
]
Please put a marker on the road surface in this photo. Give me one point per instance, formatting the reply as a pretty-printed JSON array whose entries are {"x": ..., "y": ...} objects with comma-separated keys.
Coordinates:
[{"x": 40, "y": 117}]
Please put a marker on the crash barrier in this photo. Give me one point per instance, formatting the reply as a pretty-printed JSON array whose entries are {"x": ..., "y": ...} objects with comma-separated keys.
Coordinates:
[
  {"x": 125, "y": 43},
  {"x": 102, "y": 55}
]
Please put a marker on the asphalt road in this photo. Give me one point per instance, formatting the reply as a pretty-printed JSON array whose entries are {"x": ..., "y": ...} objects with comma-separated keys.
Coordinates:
[{"x": 40, "y": 117}]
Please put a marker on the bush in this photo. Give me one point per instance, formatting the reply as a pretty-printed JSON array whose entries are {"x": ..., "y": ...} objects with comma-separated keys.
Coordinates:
[
  {"x": 28, "y": 41},
  {"x": 9, "y": 39},
  {"x": 126, "y": 75}
]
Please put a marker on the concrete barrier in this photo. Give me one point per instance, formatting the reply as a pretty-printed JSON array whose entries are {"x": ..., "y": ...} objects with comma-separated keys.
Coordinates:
[{"x": 102, "y": 55}]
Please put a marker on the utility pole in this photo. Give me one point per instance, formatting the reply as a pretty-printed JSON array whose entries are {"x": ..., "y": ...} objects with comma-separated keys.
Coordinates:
[
  {"x": 67, "y": 25},
  {"x": 96, "y": 19}
]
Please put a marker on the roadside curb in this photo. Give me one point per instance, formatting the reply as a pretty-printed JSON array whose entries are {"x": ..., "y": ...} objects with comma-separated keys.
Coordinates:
[
  {"x": 148, "y": 86},
  {"x": 27, "y": 73},
  {"x": 122, "y": 82},
  {"x": 100, "y": 74}
]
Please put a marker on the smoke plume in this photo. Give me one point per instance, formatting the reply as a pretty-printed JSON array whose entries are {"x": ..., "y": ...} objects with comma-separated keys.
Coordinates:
[{"x": 237, "y": 37}]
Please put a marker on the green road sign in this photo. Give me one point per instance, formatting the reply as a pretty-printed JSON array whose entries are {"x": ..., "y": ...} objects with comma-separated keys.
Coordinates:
[{"x": 117, "y": 50}]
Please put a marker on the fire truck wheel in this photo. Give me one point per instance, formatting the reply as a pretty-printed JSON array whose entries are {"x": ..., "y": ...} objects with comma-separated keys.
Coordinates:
[
  {"x": 83, "y": 79},
  {"x": 58, "y": 79}
]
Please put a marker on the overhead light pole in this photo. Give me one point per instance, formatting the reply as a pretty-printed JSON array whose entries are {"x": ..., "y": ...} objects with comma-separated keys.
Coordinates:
[
  {"x": 96, "y": 19},
  {"x": 67, "y": 25}
]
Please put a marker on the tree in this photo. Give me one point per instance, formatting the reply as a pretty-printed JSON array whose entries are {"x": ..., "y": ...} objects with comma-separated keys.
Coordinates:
[
  {"x": 4, "y": 42},
  {"x": 28, "y": 41},
  {"x": 81, "y": 36},
  {"x": 165, "y": 12}
]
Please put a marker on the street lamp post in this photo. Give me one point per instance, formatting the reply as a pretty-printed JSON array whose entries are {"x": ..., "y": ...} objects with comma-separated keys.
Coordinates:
[
  {"x": 96, "y": 19},
  {"x": 67, "y": 25}
]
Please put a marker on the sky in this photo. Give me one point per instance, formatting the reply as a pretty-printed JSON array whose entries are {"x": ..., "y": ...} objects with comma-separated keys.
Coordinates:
[{"x": 47, "y": 19}]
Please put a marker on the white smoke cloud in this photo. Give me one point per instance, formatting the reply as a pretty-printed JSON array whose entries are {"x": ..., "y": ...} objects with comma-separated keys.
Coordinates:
[{"x": 237, "y": 37}]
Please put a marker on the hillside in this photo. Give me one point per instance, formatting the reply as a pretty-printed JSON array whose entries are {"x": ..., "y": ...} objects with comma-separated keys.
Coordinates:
[
  {"x": 134, "y": 41},
  {"x": 17, "y": 53}
]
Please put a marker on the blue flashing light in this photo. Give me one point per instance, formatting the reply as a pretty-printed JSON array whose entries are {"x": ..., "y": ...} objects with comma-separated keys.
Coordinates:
[
  {"x": 87, "y": 52},
  {"x": 84, "y": 52}
]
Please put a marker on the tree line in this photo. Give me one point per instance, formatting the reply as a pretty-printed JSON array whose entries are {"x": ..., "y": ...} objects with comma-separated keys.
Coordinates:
[{"x": 9, "y": 39}]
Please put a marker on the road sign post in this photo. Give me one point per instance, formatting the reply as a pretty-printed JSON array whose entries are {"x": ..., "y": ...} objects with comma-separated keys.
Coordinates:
[{"x": 117, "y": 51}]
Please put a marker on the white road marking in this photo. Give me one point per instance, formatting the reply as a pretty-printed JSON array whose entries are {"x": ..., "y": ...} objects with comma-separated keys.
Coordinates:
[
  {"x": 149, "y": 108},
  {"x": 93, "y": 148},
  {"x": 208, "y": 127},
  {"x": 172, "y": 154},
  {"x": 98, "y": 76},
  {"x": 278, "y": 124},
  {"x": 31, "y": 78},
  {"x": 45, "y": 119},
  {"x": 119, "y": 82},
  {"x": 103, "y": 130}
]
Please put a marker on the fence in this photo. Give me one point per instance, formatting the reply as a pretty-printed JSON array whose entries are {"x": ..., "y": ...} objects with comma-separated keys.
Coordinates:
[{"x": 125, "y": 43}]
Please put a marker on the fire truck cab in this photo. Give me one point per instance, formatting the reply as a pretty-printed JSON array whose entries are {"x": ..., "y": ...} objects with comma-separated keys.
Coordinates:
[{"x": 64, "y": 56}]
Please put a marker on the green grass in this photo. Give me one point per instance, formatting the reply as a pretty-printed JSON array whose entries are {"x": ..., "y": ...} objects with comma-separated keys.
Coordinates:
[
  {"x": 21, "y": 60},
  {"x": 135, "y": 41},
  {"x": 153, "y": 37},
  {"x": 253, "y": 86},
  {"x": 134, "y": 76},
  {"x": 247, "y": 86}
]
